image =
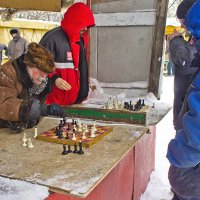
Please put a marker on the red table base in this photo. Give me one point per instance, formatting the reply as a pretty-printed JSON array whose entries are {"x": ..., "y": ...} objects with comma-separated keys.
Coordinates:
[{"x": 129, "y": 179}]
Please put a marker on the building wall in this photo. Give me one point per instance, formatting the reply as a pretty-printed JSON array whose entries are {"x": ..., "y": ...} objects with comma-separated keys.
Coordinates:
[{"x": 121, "y": 52}]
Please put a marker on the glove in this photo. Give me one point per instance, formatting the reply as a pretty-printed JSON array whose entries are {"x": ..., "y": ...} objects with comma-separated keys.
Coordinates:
[
  {"x": 16, "y": 127},
  {"x": 53, "y": 109}
]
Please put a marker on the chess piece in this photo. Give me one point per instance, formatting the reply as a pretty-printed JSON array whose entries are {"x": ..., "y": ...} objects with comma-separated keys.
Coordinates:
[
  {"x": 74, "y": 127},
  {"x": 59, "y": 133},
  {"x": 116, "y": 103},
  {"x": 109, "y": 104},
  {"x": 67, "y": 136},
  {"x": 36, "y": 132},
  {"x": 69, "y": 149},
  {"x": 92, "y": 135},
  {"x": 86, "y": 128},
  {"x": 153, "y": 105},
  {"x": 80, "y": 148},
  {"x": 83, "y": 137},
  {"x": 24, "y": 144},
  {"x": 24, "y": 139},
  {"x": 75, "y": 148},
  {"x": 79, "y": 128},
  {"x": 143, "y": 104},
  {"x": 68, "y": 128},
  {"x": 74, "y": 135},
  {"x": 64, "y": 150},
  {"x": 30, "y": 145},
  {"x": 64, "y": 121},
  {"x": 94, "y": 125}
]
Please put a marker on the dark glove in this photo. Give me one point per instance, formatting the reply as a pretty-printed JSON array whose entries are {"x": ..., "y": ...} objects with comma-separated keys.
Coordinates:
[
  {"x": 16, "y": 127},
  {"x": 53, "y": 109}
]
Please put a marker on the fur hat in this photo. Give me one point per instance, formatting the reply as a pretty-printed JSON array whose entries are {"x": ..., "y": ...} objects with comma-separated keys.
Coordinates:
[
  {"x": 183, "y": 8},
  {"x": 39, "y": 57}
]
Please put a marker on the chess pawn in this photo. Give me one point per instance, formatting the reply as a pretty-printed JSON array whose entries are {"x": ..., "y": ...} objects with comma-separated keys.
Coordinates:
[
  {"x": 79, "y": 127},
  {"x": 92, "y": 135},
  {"x": 24, "y": 139},
  {"x": 74, "y": 136},
  {"x": 30, "y": 145},
  {"x": 36, "y": 132},
  {"x": 94, "y": 126},
  {"x": 74, "y": 127},
  {"x": 83, "y": 137},
  {"x": 86, "y": 128}
]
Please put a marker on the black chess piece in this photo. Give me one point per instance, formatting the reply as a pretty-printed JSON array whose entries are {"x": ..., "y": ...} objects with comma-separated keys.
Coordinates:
[
  {"x": 139, "y": 102},
  {"x": 80, "y": 148},
  {"x": 73, "y": 121},
  {"x": 126, "y": 105},
  {"x": 143, "y": 104},
  {"x": 75, "y": 148},
  {"x": 67, "y": 136},
  {"x": 64, "y": 150},
  {"x": 69, "y": 149},
  {"x": 64, "y": 121},
  {"x": 68, "y": 128}
]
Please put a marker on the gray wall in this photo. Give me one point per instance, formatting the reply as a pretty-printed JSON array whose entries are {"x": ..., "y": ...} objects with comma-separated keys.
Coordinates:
[{"x": 121, "y": 54}]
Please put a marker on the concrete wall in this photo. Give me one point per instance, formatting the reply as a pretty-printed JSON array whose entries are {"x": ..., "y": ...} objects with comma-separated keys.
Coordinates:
[{"x": 121, "y": 53}]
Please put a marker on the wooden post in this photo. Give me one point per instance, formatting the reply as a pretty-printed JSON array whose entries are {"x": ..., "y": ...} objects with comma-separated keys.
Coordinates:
[{"x": 157, "y": 50}]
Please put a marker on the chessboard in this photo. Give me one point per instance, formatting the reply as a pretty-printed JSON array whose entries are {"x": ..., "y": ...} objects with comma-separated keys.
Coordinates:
[{"x": 71, "y": 133}]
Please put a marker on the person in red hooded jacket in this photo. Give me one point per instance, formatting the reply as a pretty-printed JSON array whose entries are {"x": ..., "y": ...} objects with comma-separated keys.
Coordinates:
[{"x": 67, "y": 44}]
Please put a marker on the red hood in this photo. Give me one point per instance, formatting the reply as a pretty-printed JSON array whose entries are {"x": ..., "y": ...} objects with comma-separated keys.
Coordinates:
[{"x": 77, "y": 17}]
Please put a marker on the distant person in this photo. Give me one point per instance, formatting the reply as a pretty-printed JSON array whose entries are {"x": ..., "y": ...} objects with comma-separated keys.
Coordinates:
[
  {"x": 18, "y": 45},
  {"x": 182, "y": 53},
  {"x": 3, "y": 47},
  {"x": 68, "y": 45}
]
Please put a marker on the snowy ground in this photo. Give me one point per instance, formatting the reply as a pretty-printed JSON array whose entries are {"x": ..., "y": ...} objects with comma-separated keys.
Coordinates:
[{"x": 158, "y": 187}]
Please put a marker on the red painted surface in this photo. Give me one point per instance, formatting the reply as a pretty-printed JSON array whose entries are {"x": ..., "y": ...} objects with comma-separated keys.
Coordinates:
[
  {"x": 144, "y": 162},
  {"x": 129, "y": 179}
]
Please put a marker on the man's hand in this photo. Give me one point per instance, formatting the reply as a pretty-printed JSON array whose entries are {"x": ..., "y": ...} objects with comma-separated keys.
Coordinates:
[{"x": 62, "y": 84}]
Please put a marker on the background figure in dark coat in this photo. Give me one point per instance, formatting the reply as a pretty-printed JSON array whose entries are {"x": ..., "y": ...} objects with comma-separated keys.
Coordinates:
[
  {"x": 5, "y": 48},
  {"x": 182, "y": 53},
  {"x": 184, "y": 150},
  {"x": 181, "y": 56}
]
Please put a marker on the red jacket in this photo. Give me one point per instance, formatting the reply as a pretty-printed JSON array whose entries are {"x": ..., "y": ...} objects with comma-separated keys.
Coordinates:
[{"x": 77, "y": 17}]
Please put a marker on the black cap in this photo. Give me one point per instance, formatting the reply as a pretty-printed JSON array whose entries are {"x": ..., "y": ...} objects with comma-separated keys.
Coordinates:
[
  {"x": 13, "y": 30},
  {"x": 183, "y": 8}
]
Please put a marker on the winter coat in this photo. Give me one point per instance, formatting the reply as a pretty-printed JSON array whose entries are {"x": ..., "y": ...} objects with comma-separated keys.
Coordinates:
[
  {"x": 17, "y": 46},
  {"x": 15, "y": 100},
  {"x": 68, "y": 48},
  {"x": 181, "y": 54},
  {"x": 3, "y": 47}
]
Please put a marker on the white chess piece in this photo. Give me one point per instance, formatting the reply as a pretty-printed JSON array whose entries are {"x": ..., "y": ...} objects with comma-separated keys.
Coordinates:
[
  {"x": 30, "y": 145},
  {"x": 24, "y": 139},
  {"x": 24, "y": 143},
  {"x": 94, "y": 126},
  {"x": 86, "y": 128},
  {"x": 92, "y": 135},
  {"x": 79, "y": 127},
  {"x": 83, "y": 137},
  {"x": 74, "y": 127},
  {"x": 36, "y": 132},
  {"x": 73, "y": 136}
]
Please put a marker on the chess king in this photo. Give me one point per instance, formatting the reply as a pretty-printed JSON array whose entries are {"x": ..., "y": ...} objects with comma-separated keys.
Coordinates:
[{"x": 24, "y": 84}]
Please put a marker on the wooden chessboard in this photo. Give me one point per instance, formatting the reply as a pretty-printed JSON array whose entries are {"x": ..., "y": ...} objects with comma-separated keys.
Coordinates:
[{"x": 50, "y": 135}]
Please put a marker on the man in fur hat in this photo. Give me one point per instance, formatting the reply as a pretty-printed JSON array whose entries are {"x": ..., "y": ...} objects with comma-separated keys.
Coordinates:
[
  {"x": 18, "y": 45},
  {"x": 67, "y": 43},
  {"x": 23, "y": 87}
]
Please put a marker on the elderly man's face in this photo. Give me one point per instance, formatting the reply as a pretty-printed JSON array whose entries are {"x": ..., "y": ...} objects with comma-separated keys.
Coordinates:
[{"x": 37, "y": 75}]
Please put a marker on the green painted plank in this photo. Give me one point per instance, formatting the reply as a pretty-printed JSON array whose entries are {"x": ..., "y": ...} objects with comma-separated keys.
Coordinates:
[{"x": 138, "y": 118}]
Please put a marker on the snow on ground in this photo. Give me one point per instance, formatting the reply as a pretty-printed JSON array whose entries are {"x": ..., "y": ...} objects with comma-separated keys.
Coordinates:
[{"x": 158, "y": 187}]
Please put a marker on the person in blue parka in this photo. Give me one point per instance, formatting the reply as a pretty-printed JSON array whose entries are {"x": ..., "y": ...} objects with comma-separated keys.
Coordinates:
[{"x": 184, "y": 150}]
